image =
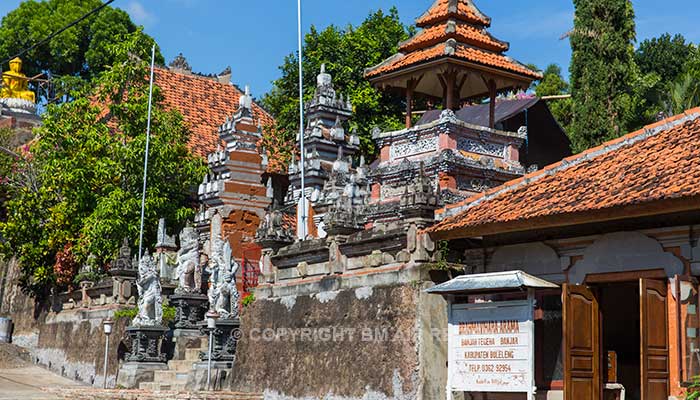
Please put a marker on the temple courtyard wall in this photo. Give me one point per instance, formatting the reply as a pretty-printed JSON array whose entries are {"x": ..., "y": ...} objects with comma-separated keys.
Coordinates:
[
  {"x": 370, "y": 336},
  {"x": 69, "y": 342}
]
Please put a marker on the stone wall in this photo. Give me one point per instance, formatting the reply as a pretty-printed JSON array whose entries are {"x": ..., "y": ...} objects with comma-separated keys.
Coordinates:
[
  {"x": 69, "y": 342},
  {"x": 369, "y": 342}
]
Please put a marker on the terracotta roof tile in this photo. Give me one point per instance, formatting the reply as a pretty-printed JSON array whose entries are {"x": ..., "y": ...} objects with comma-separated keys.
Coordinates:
[
  {"x": 462, "y": 52},
  {"x": 205, "y": 104},
  {"x": 441, "y": 11},
  {"x": 657, "y": 163},
  {"x": 461, "y": 32}
]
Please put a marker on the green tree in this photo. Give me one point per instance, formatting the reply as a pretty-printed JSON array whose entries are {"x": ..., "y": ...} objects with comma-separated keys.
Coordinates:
[
  {"x": 346, "y": 53},
  {"x": 603, "y": 71},
  {"x": 553, "y": 84},
  {"x": 665, "y": 56},
  {"x": 77, "y": 191},
  {"x": 79, "y": 51}
]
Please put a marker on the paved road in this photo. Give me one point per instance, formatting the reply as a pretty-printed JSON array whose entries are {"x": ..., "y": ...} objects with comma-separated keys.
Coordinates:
[{"x": 27, "y": 382}]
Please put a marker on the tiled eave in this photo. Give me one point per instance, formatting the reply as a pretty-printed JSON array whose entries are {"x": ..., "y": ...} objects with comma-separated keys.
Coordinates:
[{"x": 645, "y": 173}]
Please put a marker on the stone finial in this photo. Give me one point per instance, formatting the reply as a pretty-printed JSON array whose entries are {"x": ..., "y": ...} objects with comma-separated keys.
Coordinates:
[
  {"x": 450, "y": 47},
  {"x": 123, "y": 261},
  {"x": 337, "y": 131},
  {"x": 180, "y": 64},
  {"x": 324, "y": 79},
  {"x": 246, "y": 100},
  {"x": 164, "y": 240}
]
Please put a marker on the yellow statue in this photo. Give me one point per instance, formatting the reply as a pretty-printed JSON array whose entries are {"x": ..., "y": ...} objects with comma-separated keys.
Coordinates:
[{"x": 15, "y": 84}]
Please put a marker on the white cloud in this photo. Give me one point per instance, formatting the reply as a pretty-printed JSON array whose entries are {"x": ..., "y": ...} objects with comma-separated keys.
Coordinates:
[{"x": 139, "y": 13}]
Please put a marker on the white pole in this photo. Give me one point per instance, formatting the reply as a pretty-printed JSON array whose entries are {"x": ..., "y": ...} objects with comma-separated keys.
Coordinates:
[
  {"x": 145, "y": 158},
  {"x": 104, "y": 369},
  {"x": 302, "y": 199},
  {"x": 211, "y": 348}
]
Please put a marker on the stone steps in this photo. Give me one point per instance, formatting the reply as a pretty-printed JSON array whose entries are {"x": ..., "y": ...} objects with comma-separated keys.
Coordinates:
[{"x": 193, "y": 354}]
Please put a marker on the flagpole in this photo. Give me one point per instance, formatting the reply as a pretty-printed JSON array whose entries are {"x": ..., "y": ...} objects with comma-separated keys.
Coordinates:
[
  {"x": 145, "y": 158},
  {"x": 302, "y": 197}
]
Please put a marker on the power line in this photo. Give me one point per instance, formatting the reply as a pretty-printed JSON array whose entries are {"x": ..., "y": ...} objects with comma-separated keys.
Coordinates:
[{"x": 58, "y": 32}]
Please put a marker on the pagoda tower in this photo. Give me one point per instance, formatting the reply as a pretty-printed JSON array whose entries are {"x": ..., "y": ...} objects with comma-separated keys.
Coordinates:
[
  {"x": 233, "y": 190},
  {"x": 451, "y": 60}
]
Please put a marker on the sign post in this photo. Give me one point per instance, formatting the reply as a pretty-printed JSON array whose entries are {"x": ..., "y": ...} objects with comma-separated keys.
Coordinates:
[
  {"x": 491, "y": 332},
  {"x": 491, "y": 347}
]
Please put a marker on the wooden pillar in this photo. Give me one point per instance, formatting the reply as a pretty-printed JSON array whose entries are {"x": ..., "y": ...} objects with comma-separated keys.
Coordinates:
[
  {"x": 411, "y": 85},
  {"x": 409, "y": 105},
  {"x": 450, "y": 83},
  {"x": 492, "y": 103}
]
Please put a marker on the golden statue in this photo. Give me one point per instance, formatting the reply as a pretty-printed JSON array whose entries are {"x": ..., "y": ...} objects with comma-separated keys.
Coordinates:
[{"x": 15, "y": 85}]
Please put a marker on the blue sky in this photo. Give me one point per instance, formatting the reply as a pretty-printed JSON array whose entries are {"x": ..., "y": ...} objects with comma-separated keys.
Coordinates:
[{"x": 254, "y": 36}]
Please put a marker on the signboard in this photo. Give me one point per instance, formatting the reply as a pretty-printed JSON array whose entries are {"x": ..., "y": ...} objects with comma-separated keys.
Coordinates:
[{"x": 491, "y": 347}]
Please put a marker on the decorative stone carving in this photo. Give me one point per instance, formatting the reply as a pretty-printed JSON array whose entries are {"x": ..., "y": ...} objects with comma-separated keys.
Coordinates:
[
  {"x": 226, "y": 335},
  {"x": 146, "y": 344},
  {"x": 474, "y": 184},
  {"x": 624, "y": 251},
  {"x": 189, "y": 271},
  {"x": 149, "y": 289},
  {"x": 123, "y": 261},
  {"x": 223, "y": 293},
  {"x": 406, "y": 149},
  {"x": 180, "y": 63},
  {"x": 272, "y": 231},
  {"x": 481, "y": 147}
]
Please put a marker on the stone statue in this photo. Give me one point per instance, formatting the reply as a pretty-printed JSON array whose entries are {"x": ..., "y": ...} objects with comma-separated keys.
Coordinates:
[
  {"x": 223, "y": 293},
  {"x": 189, "y": 271},
  {"x": 150, "y": 301},
  {"x": 15, "y": 84}
]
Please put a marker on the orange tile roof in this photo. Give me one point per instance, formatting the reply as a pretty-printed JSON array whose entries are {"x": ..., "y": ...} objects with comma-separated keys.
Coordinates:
[
  {"x": 653, "y": 171},
  {"x": 205, "y": 104},
  {"x": 465, "y": 10},
  {"x": 462, "y": 52},
  {"x": 462, "y": 32}
]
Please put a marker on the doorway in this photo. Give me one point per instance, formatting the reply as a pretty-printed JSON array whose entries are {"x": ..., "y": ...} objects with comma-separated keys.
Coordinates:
[
  {"x": 620, "y": 336},
  {"x": 627, "y": 318}
]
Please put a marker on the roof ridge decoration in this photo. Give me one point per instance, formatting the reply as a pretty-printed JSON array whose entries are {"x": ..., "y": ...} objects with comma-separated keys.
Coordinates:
[
  {"x": 453, "y": 210},
  {"x": 464, "y": 10}
]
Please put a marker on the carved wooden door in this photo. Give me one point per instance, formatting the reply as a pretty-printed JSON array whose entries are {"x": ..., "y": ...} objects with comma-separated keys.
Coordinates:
[
  {"x": 654, "y": 339},
  {"x": 582, "y": 365}
]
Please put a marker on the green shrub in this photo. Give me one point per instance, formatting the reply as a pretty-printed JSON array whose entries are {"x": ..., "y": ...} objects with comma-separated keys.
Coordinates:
[
  {"x": 248, "y": 299},
  {"x": 132, "y": 312}
]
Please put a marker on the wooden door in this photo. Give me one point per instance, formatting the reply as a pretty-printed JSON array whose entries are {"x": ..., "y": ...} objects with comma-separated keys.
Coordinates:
[
  {"x": 654, "y": 339},
  {"x": 582, "y": 379}
]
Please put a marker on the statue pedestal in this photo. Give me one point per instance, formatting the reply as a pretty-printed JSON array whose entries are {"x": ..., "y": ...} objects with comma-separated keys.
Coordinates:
[
  {"x": 226, "y": 335},
  {"x": 146, "y": 344},
  {"x": 132, "y": 373},
  {"x": 189, "y": 311}
]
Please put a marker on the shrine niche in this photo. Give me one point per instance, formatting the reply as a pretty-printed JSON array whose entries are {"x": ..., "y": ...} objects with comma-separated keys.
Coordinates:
[{"x": 624, "y": 251}]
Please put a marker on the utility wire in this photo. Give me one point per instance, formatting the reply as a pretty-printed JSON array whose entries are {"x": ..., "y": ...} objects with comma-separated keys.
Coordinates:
[{"x": 58, "y": 32}]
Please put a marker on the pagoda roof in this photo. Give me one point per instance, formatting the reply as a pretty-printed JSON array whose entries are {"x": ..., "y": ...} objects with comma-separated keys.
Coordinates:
[
  {"x": 454, "y": 36},
  {"x": 464, "y": 33},
  {"x": 442, "y": 10}
]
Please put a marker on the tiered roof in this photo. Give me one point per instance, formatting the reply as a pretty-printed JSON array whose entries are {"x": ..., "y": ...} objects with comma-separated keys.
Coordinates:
[
  {"x": 454, "y": 31},
  {"x": 649, "y": 172}
]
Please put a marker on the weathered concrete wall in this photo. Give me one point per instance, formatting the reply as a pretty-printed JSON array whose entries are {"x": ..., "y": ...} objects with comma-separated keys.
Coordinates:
[
  {"x": 72, "y": 344},
  {"x": 69, "y": 342},
  {"x": 365, "y": 342},
  {"x": 26, "y": 316}
]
